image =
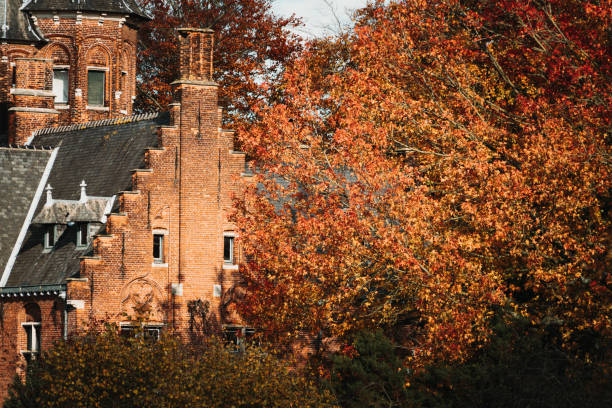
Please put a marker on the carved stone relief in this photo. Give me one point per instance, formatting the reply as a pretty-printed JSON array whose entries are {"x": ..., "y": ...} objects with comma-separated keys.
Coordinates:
[{"x": 142, "y": 299}]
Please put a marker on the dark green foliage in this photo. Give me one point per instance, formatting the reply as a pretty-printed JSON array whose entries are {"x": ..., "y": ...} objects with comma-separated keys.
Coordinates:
[
  {"x": 374, "y": 377},
  {"x": 523, "y": 366},
  {"x": 23, "y": 394}
]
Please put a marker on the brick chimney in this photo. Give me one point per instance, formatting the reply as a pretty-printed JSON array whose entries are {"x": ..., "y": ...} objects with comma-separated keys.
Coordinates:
[
  {"x": 196, "y": 54},
  {"x": 33, "y": 99},
  {"x": 195, "y": 93}
]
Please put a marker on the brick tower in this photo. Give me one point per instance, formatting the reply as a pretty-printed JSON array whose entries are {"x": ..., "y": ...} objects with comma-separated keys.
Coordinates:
[{"x": 91, "y": 46}]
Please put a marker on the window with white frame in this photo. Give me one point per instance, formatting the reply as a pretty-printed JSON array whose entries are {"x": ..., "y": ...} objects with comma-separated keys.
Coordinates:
[
  {"x": 32, "y": 330},
  {"x": 82, "y": 235},
  {"x": 50, "y": 237},
  {"x": 60, "y": 85},
  {"x": 158, "y": 248},
  {"x": 96, "y": 82},
  {"x": 228, "y": 249}
]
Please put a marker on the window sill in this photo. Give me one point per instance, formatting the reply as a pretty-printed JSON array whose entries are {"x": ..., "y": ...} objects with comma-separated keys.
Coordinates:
[
  {"x": 230, "y": 267},
  {"x": 61, "y": 106},
  {"x": 98, "y": 108},
  {"x": 159, "y": 265}
]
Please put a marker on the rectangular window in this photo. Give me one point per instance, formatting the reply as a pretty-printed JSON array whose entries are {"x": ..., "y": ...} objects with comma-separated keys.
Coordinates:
[
  {"x": 60, "y": 85},
  {"x": 228, "y": 250},
  {"x": 149, "y": 332},
  {"x": 32, "y": 340},
  {"x": 83, "y": 235},
  {"x": 158, "y": 248},
  {"x": 237, "y": 336},
  {"x": 50, "y": 236},
  {"x": 95, "y": 87}
]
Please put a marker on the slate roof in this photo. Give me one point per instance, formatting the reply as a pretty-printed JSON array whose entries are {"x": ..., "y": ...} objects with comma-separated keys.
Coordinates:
[
  {"x": 21, "y": 175},
  {"x": 15, "y": 24},
  {"x": 103, "y": 154},
  {"x": 130, "y": 7}
]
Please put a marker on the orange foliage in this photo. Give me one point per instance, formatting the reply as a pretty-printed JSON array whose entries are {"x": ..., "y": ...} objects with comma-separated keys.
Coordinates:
[{"x": 454, "y": 158}]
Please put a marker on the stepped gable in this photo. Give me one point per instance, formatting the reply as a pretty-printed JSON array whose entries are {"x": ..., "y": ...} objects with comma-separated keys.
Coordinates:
[
  {"x": 15, "y": 24},
  {"x": 103, "y": 153},
  {"x": 130, "y": 7},
  {"x": 21, "y": 175}
]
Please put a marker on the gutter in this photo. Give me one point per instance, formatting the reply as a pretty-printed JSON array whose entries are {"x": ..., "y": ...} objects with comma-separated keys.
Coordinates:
[{"x": 33, "y": 290}]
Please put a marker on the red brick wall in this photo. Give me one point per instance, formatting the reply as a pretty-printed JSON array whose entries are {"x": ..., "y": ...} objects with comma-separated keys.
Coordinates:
[
  {"x": 32, "y": 99},
  {"x": 13, "y": 335},
  {"x": 78, "y": 41},
  {"x": 93, "y": 41},
  {"x": 185, "y": 194}
]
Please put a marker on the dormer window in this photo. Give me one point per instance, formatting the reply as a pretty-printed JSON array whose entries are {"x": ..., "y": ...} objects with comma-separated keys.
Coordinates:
[
  {"x": 50, "y": 237},
  {"x": 82, "y": 235},
  {"x": 96, "y": 81},
  {"x": 60, "y": 85}
]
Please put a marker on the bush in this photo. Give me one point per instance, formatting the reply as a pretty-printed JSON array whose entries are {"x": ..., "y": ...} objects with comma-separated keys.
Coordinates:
[{"x": 106, "y": 370}]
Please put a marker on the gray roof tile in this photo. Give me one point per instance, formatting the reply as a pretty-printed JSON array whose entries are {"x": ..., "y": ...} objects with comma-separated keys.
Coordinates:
[
  {"x": 130, "y": 7},
  {"x": 21, "y": 171},
  {"x": 15, "y": 24},
  {"x": 103, "y": 156}
]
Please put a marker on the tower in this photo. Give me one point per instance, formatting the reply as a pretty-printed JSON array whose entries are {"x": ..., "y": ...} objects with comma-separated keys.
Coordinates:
[{"x": 90, "y": 48}]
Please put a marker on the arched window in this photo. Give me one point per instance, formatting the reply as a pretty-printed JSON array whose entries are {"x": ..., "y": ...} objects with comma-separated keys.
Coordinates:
[
  {"x": 98, "y": 62},
  {"x": 61, "y": 67},
  {"x": 32, "y": 327}
]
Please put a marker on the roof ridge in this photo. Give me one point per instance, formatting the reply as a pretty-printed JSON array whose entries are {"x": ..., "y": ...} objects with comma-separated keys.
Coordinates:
[{"x": 97, "y": 123}]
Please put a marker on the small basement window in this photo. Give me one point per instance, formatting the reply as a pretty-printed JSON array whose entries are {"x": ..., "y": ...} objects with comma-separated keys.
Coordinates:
[
  {"x": 149, "y": 332},
  {"x": 237, "y": 337},
  {"x": 60, "y": 85},
  {"x": 50, "y": 236},
  {"x": 83, "y": 235},
  {"x": 158, "y": 248},
  {"x": 228, "y": 250},
  {"x": 96, "y": 81}
]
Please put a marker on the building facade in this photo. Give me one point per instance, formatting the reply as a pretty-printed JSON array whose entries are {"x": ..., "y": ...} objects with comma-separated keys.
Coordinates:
[{"x": 106, "y": 215}]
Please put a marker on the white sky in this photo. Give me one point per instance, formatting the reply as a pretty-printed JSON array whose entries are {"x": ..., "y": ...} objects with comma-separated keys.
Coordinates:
[{"x": 317, "y": 16}]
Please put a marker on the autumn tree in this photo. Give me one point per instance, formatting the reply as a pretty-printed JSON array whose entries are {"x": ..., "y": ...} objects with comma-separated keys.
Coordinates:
[
  {"x": 454, "y": 160},
  {"x": 251, "y": 45},
  {"x": 107, "y": 370}
]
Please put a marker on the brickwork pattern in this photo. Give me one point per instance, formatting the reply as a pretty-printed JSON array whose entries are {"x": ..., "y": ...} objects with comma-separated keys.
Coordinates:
[
  {"x": 184, "y": 192},
  {"x": 77, "y": 42},
  {"x": 13, "y": 335}
]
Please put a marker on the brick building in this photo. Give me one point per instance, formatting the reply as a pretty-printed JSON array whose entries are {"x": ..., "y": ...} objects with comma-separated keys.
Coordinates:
[{"x": 106, "y": 215}]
